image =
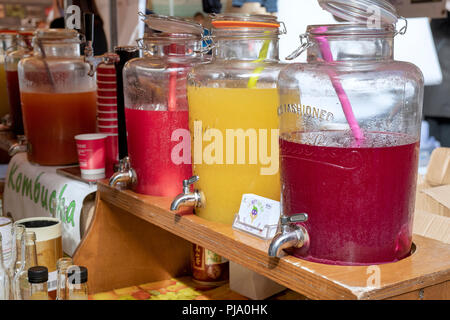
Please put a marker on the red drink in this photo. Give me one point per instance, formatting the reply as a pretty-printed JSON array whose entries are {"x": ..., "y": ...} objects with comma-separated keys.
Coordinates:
[
  {"x": 150, "y": 150},
  {"x": 12, "y": 81},
  {"x": 360, "y": 201}
]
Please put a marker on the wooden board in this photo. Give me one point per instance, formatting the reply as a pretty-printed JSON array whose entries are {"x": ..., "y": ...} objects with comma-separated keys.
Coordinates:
[
  {"x": 428, "y": 266},
  {"x": 74, "y": 173},
  {"x": 120, "y": 250}
]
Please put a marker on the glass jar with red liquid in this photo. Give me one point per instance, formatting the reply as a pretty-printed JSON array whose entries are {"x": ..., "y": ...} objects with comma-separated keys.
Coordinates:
[
  {"x": 349, "y": 141},
  {"x": 58, "y": 97},
  {"x": 24, "y": 50},
  {"x": 156, "y": 107}
]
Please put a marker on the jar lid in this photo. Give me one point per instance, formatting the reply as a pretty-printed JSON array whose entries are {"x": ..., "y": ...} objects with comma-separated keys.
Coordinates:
[
  {"x": 56, "y": 34},
  {"x": 244, "y": 21},
  {"x": 172, "y": 25},
  {"x": 37, "y": 274},
  {"x": 362, "y": 11},
  {"x": 77, "y": 274}
]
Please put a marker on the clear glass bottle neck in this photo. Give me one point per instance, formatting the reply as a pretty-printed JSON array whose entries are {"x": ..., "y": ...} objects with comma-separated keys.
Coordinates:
[
  {"x": 30, "y": 255},
  {"x": 350, "y": 43},
  {"x": 63, "y": 265},
  {"x": 60, "y": 49},
  {"x": 247, "y": 48},
  {"x": 172, "y": 46}
]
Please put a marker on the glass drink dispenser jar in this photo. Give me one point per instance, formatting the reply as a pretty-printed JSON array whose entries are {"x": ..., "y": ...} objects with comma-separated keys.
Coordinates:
[
  {"x": 8, "y": 43},
  {"x": 24, "y": 49},
  {"x": 232, "y": 115},
  {"x": 156, "y": 108},
  {"x": 58, "y": 97},
  {"x": 349, "y": 142}
]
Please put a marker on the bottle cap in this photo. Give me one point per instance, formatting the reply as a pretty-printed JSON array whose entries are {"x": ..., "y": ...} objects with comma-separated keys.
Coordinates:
[
  {"x": 77, "y": 274},
  {"x": 37, "y": 274}
]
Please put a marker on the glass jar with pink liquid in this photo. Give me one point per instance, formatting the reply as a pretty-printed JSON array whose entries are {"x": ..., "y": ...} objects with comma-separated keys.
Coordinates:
[
  {"x": 156, "y": 107},
  {"x": 349, "y": 141}
]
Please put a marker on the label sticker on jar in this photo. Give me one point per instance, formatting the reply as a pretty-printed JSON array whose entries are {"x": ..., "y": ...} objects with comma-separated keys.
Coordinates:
[
  {"x": 208, "y": 267},
  {"x": 258, "y": 216}
]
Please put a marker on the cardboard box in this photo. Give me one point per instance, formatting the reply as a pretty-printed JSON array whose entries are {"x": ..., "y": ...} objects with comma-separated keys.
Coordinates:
[
  {"x": 251, "y": 284},
  {"x": 438, "y": 173},
  {"x": 432, "y": 226},
  {"x": 433, "y": 190}
]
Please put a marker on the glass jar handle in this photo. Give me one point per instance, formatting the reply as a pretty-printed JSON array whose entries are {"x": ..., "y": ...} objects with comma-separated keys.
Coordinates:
[
  {"x": 209, "y": 47},
  {"x": 403, "y": 29},
  {"x": 304, "y": 44}
]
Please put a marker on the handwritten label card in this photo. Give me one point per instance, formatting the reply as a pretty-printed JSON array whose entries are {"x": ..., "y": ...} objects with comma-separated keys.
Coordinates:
[{"x": 258, "y": 216}]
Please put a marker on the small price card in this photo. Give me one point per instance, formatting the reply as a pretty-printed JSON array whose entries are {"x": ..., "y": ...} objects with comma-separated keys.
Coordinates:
[{"x": 258, "y": 216}]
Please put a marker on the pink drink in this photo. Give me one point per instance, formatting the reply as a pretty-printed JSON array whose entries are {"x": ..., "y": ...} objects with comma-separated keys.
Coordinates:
[
  {"x": 150, "y": 150},
  {"x": 360, "y": 201}
]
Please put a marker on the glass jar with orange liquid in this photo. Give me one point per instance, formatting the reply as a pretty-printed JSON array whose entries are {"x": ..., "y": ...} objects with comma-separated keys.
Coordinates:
[
  {"x": 233, "y": 119},
  {"x": 58, "y": 97}
]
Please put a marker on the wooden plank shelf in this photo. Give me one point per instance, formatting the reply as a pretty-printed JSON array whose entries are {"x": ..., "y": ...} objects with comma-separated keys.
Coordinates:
[{"x": 423, "y": 275}]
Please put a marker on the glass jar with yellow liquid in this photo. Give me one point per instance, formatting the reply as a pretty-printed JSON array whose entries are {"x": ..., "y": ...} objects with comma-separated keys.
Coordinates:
[{"x": 233, "y": 119}]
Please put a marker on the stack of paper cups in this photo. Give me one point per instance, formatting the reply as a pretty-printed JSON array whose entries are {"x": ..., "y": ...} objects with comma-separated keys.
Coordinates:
[{"x": 107, "y": 113}]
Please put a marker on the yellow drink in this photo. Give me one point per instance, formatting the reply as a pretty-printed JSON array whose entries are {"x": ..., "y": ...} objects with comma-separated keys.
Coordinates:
[
  {"x": 4, "y": 101},
  {"x": 226, "y": 173},
  {"x": 39, "y": 296}
]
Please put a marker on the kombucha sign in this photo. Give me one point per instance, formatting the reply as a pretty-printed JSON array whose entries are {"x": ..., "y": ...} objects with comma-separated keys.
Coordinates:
[{"x": 35, "y": 191}]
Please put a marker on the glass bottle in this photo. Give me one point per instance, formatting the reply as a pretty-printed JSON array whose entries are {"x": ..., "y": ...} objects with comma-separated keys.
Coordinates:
[
  {"x": 37, "y": 280},
  {"x": 4, "y": 276},
  {"x": 62, "y": 265},
  {"x": 17, "y": 233},
  {"x": 77, "y": 283},
  {"x": 232, "y": 100},
  {"x": 58, "y": 97},
  {"x": 24, "y": 49},
  {"x": 8, "y": 42},
  {"x": 156, "y": 108},
  {"x": 350, "y": 123},
  {"x": 28, "y": 260}
]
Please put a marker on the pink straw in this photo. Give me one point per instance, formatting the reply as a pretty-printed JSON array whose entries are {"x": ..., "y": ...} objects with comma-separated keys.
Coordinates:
[{"x": 345, "y": 102}]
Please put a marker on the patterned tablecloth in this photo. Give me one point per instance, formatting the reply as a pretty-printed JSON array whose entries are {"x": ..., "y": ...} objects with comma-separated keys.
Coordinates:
[{"x": 181, "y": 289}]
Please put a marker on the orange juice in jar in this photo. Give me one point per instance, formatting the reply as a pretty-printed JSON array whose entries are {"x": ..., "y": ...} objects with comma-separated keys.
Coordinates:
[
  {"x": 238, "y": 115},
  {"x": 233, "y": 121},
  {"x": 58, "y": 97},
  {"x": 51, "y": 122}
]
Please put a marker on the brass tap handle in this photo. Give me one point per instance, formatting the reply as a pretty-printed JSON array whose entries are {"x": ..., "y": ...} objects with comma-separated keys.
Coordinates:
[{"x": 299, "y": 217}]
